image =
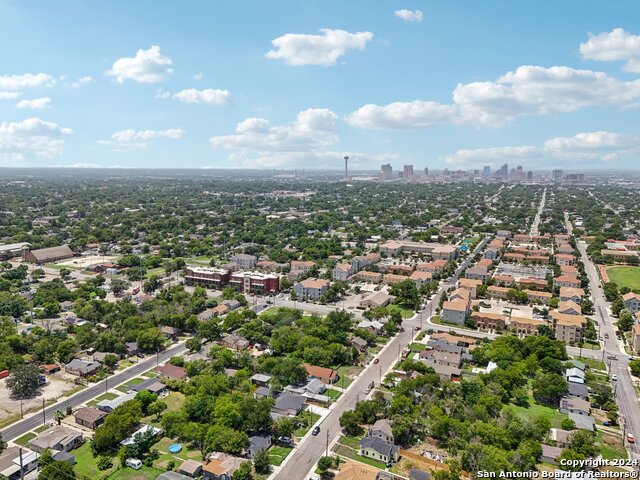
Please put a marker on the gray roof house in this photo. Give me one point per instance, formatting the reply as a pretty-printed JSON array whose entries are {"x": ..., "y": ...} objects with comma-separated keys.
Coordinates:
[
  {"x": 260, "y": 379},
  {"x": 382, "y": 429},
  {"x": 579, "y": 390},
  {"x": 574, "y": 405},
  {"x": 56, "y": 438},
  {"x": 257, "y": 443},
  {"x": 110, "y": 405},
  {"x": 81, "y": 368},
  {"x": 288, "y": 404},
  {"x": 376, "y": 448},
  {"x": 153, "y": 385},
  {"x": 583, "y": 422}
]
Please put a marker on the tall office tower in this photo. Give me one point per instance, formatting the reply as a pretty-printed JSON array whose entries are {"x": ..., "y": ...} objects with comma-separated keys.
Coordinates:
[
  {"x": 557, "y": 174},
  {"x": 503, "y": 172},
  {"x": 487, "y": 170},
  {"x": 387, "y": 171},
  {"x": 407, "y": 173},
  {"x": 346, "y": 167},
  {"x": 529, "y": 175}
]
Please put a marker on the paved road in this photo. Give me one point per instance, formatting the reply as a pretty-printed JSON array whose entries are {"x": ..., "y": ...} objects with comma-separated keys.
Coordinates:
[
  {"x": 626, "y": 396},
  {"x": 310, "y": 449},
  {"x": 536, "y": 220},
  {"x": 34, "y": 420}
]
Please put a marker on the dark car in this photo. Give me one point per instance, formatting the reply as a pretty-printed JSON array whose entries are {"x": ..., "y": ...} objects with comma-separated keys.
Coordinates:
[
  {"x": 315, "y": 431},
  {"x": 140, "y": 355}
]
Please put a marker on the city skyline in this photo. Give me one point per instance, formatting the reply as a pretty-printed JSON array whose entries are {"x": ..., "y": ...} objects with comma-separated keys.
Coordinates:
[{"x": 213, "y": 87}]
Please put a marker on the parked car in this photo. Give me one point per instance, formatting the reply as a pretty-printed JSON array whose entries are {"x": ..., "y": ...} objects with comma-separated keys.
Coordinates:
[
  {"x": 614, "y": 377},
  {"x": 631, "y": 438},
  {"x": 376, "y": 360},
  {"x": 315, "y": 431}
]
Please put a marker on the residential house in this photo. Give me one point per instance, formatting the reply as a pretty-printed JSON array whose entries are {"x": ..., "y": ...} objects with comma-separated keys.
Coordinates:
[
  {"x": 420, "y": 278},
  {"x": 438, "y": 357},
  {"x": 58, "y": 437},
  {"x": 574, "y": 375},
  {"x": 574, "y": 405},
  {"x": 455, "y": 311},
  {"x": 131, "y": 348},
  {"x": 436, "y": 267},
  {"x": 342, "y": 271},
  {"x": 382, "y": 429},
  {"x": 377, "y": 449},
  {"x": 374, "y": 326},
  {"x": 359, "y": 344},
  {"x": 376, "y": 299},
  {"x": 143, "y": 431},
  {"x": 172, "y": 371},
  {"x": 631, "y": 302},
  {"x": 288, "y": 404},
  {"x": 560, "y": 437},
  {"x": 570, "y": 294},
  {"x": 583, "y": 422},
  {"x": 311, "y": 288},
  {"x": 454, "y": 339},
  {"x": 169, "y": 332},
  {"x": 11, "y": 459},
  {"x": 258, "y": 443},
  {"x": 261, "y": 379},
  {"x": 221, "y": 467},
  {"x": 302, "y": 266},
  {"x": 325, "y": 375},
  {"x": 191, "y": 468},
  {"x": 565, "y": 259},
  {"x": 109, "y": 405},
  {"x": 81, "y": 368},
  {"x": 350, "y": 470},
  {"x": 90, "y": 417},
  {"x": 234, "y": 341},
  {"x": 171, "y": 475},
  {"x": 550, "y": 454},
  {"x": 578, "y": 390},
  {"x": 446, "y": 372},
  {"x": 569, "y": 307},
  {"x": 152, "y": 385}
]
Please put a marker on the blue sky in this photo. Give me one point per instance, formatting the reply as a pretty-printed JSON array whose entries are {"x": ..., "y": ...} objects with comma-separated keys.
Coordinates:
[{"x": 290, "y": 84}]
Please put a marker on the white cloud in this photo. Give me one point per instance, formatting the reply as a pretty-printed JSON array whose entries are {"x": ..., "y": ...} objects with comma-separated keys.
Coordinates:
[
  {"x": 126, "y": 140},
  {"x": 162, "y": 94},
  {"x": 31, "y": 138},
  {"x": 27, "y": 80},
  {"x": 409, "y": 15},
  {"x": 80, "y": 82},
  {"x": 616, "y": 45},
  {"x": 36, "y": 103},
  {"x": 398, "y": 115},
  {"x": 302, "y": 49},
  {"x": 315, "y": 127},
  {"x": 529, "y": 90},
  {"x": 198, "y": 76},
  {"x": 583, "y": 149},
  {"x": 9, "y": 95},
  {"x": 148, "y": 66},
  {"x": 208, "y": 96}
]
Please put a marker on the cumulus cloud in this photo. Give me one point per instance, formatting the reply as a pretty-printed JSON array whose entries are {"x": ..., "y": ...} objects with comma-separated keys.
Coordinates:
[
  {"x": 325, "y": 49},
  {"x": 315, "y": 127},
  {"x": 80, "y": 82},
  {"x": 27, "y": 80},
  {"x": 9, "y": 95},
  {"x": 31, "y": 139},
  {"x": 589, "y": 148},
  {"x": 529, "y": 90},
  {"x": 198, "y": 76},
  {"x": 126, "y": 140},
  {"x": 148, "y": 66},
  {"x": 409, "y": 15},
  {"x": 36, "y": 103},
  {"x": 614, "y": 46},
  {"x": 207, "y": 96}
]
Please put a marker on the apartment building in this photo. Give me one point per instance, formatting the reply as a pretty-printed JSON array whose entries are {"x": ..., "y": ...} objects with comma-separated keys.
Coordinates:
[
  {"x": 566, "y": 281},
  {"x": 570, "y": 294},
  {"x": 525, "y": 326},
  {"x": 255, "y": 282},
  {"x": 342, "y": 271},
  {"x": 541, "y": 297},
  {"x": 631, "y": 302},
  {"x": 311, "y": 288},
  {"x": 244, "y": 260},
  {"x": 489, "y": 321},
  {"x": 568, "y": 328},
  {"x": 211, "y": 277},
  {"x": 497, "y": 292},
  {"x": 455, "y": 311}
]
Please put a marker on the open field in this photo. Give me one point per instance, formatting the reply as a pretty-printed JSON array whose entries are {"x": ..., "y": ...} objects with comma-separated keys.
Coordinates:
[{"x": 625, "y": 276}]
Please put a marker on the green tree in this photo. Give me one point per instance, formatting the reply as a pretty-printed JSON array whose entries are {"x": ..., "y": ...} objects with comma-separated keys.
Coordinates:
[
  {"x": 57, "y": 471},
  {"x": 261, "y": 461},
  {"x": 634, "y": 365},
  {"x": 244, "y": 472},
  {"x": 350, "y": 423},
  {"x": 549, "y": 388},
  {"x": 625, "y": 321},
  {"x": 23, "y": 381},
  {"x": 324, "y": 464}
]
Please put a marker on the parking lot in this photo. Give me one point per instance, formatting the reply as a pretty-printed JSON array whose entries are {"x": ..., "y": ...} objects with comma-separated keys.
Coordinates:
[
  {"x": 523, "y": 271},
  {"x": 501, "y": 306}
]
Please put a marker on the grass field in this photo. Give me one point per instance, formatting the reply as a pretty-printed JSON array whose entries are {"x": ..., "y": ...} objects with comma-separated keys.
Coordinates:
[
  {"x": 125, "y": 387},
  {"x": 278, "y": 454},
  {"x": 86, "y": 464},
  {"x": 145, "y": 473},
  {"x": 25, "y": 439},
  {"x": 536, "y": 410},
  {"x": 625, "y": 276},
  {"x": 345, "y": 451},
  {"x": 332, "y": 394},
  {"x": 104, "y": 396}
]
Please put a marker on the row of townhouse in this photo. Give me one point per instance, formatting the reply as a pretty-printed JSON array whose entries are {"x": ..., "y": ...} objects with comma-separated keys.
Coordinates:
[{"x": 249, "y": 281}]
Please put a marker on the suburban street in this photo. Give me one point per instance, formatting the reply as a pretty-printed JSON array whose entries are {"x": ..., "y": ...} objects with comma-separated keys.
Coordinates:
[
  {"x": 626, "y": 396},
  {"x": 36, "y": 419},
  {"x": 536, "y": 220},
  {"x": 310, "y": 449}
]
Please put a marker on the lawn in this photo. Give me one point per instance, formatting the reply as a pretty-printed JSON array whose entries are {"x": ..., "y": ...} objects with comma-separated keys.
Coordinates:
[
  {"x": 145, "y": 473},
  {"x": 124, "y": 364},
  {"x": 104, "y": 396},
  {"x": 535, "y": 410},
  {"x": 345, "y": 451},
  {"x": 405, "y": 312},
  {"x": 278, "y": 454},
  {"x": 332, "y": 394},
  {"x": 353, "y": 442},
  {"x": 86, "y": 465},
  {"x": 134, "y": 381},
  {"x": 25, "y": 439},
  {"x": 625, "y": 276},
  {"x": 417, "y": 347},
  {"x": 611, "y": 446},
  {"x": 346, "y": 372},
  {"x": 592, "y": 363}
]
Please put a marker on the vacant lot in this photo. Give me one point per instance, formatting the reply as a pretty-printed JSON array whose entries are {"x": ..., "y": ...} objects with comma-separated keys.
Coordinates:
[{"x": 625, "y": 276}]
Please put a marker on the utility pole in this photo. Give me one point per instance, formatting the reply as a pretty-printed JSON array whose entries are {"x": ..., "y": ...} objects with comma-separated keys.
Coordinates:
[
  {"x": 106, "y": 383},
  {"x": 327, "y": 449},
  {"x": 21, "y": 467},
  {"x": 21, "y": 414},
  {"x": 44, "y": 417}
]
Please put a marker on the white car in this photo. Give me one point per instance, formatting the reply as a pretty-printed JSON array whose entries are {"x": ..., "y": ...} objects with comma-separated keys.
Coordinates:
[{"x": 614, "y": 377}]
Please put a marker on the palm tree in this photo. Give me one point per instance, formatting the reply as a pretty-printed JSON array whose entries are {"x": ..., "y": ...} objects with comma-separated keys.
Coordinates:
[{"x": 59, "y": 416}]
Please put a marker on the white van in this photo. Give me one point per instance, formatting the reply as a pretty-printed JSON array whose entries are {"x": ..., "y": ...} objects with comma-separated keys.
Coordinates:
[{"x": 134, "y": 463}]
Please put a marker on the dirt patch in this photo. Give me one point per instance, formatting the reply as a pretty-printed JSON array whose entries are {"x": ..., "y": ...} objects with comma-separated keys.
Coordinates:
[{"x": 603, "y": 272}]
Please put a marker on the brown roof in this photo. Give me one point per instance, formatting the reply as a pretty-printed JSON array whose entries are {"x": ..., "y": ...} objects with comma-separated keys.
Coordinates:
[
  {"x": 564, "y": 319},
  {"x": 172, "y": 371},
  {"x": 45, "y": 254},
  {"x": 314, "y": 283},
  {"x": 456, "y": 305},
  {"x": 89, "y": 415},
  {"x": 537, "y": 293},
  {"x": 319, "y": 372}
]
